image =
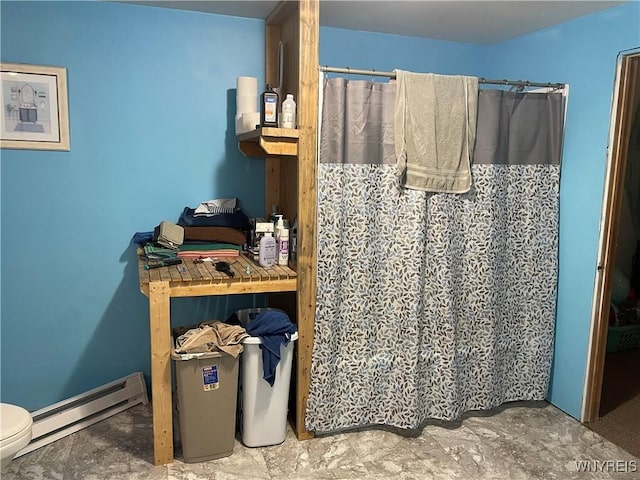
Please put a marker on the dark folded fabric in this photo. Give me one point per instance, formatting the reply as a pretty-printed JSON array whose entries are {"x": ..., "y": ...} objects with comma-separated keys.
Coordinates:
[
  {"x": 274, "y": 329},
  {"x": 215, "y": 234},
  {"x": 234, "y": 220}
]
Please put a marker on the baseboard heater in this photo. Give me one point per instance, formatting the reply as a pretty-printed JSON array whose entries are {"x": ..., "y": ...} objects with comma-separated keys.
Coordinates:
[{"x": 73, "y": 414}]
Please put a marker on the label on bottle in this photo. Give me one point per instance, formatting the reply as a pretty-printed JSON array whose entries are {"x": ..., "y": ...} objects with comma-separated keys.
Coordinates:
[
  {"x": 287, "y": 119},
  {"x": 267, "y": 255},
  {"x": 270, "y": 108},
  {"x": 283, "y": 253}
]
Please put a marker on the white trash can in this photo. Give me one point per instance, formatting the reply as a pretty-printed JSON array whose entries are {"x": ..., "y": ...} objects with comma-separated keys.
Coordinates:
[{"x": 263, "y": 408}]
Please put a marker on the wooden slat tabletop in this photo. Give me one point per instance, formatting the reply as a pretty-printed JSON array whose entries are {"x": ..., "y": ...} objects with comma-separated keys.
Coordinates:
[{"x": 190, "y": 273}]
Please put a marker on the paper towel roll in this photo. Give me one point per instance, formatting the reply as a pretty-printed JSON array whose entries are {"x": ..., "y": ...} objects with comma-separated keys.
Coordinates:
[
  {"x": 247, "y": 86},
  {"x": 246, "y": 104}
]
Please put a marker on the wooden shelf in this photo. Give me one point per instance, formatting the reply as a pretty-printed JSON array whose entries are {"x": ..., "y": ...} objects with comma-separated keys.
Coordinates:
[
  {"x": 269, "y": 141},
  {"x": 195, "y": 279}
]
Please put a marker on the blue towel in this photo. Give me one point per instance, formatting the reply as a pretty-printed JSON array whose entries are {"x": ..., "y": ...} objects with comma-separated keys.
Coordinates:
[
  {"x": 142, "y": 238},
  {"x": 274, "y": 329}
]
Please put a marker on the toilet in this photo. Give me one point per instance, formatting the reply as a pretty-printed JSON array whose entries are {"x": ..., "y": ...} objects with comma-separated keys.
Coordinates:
[{"x": 15, "y": 432}]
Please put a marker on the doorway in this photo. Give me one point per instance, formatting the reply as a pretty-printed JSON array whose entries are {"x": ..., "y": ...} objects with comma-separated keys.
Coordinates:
[{"x": 612, "y": 393}]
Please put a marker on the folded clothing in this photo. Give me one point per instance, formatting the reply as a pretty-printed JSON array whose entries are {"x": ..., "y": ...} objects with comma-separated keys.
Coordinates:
[
  {"x": 234, "y": 220},
  {"x": 209, "y": 253},
  {"x": 217, "y": 206},
  {"x": 142, "y": 238},
  {"x": 215, "y": 234},
  {"x": 154, "y": 252},
  {"x": 209, "y": 250},
  {"x": 200, "y": 247}
]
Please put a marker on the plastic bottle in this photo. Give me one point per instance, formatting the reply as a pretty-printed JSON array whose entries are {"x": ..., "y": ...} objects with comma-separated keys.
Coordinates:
[
  {"x": 289, "y": 112},
  {"x": 273, "y": 218},
  {"x": 294, "y": 240},
  {"x": 267, "y": 253},
  {"x": 269, "y": 108},
  {"x": 283, "y": 247},
  {"x": 279, "y": 226}
]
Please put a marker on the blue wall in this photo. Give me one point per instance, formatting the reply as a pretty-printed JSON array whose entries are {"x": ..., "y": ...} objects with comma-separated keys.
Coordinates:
[
  {"x": 151, "y": 108},
  {"x": 147, "y": 88},
  {"x": 354, "y": 49},
  {"x": 583, "y": 54}
]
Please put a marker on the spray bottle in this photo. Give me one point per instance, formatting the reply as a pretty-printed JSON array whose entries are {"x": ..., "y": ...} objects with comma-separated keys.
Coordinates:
[{"x": 267, "y": 253}]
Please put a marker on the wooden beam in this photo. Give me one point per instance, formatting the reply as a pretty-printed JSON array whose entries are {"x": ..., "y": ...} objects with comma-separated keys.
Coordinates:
[
  {"x": 267, "y": 141},
  {"x": 160, "y": 331},
  {"x": 233, "y": 288},
  {"x": 276, "y": 133},
  {"x": 307, "y": 197},
  {"x": 250, "y": 149}
]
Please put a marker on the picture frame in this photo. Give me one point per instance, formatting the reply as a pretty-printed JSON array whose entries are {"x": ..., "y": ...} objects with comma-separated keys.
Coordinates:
[{"x": 35, "y": 111}]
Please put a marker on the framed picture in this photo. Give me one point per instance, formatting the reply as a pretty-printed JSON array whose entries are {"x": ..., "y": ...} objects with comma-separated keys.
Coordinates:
[{"x": 35, "y": 113}]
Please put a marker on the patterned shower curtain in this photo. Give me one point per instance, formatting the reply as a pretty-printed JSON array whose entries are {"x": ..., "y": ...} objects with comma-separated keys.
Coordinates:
[{"x": 430, "y": 305}]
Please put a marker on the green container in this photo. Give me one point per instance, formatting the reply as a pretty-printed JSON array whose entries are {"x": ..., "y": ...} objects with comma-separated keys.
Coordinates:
[{"x": 623, "y": 338}]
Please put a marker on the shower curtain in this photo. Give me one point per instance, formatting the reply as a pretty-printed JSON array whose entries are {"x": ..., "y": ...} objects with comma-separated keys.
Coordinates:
[{"x": 430, "y": 305}]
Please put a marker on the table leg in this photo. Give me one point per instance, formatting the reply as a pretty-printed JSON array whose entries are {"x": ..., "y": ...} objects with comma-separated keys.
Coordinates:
[{"x": 160, "y": 328}]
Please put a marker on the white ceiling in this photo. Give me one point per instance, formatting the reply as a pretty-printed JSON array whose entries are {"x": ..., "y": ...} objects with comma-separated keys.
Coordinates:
[{"x": 473, "y": 21}]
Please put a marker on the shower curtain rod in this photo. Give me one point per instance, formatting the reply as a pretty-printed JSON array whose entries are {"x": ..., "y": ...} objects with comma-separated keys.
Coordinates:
[{"x": 375, "y": 73}]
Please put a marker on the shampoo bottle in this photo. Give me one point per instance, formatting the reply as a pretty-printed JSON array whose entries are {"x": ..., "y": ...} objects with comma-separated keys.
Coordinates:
[{"x": 267, "y": 253}]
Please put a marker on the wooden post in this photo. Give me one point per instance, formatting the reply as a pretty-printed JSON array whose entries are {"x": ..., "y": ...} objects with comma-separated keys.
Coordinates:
[
  {"x": 307, "y": 198},
  {"x": 292, "y": 185},
  {"x": 160, "y": 331}
]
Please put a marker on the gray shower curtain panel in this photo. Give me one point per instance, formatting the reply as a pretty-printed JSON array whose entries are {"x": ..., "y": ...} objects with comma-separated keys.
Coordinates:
[{"x": 430, "y": 305}]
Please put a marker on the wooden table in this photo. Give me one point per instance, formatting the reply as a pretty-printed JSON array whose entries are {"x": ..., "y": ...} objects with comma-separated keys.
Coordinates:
[{"x": 191, "y": 279}]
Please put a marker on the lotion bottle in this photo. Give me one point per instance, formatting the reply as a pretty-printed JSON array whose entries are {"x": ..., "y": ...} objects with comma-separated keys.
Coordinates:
[
  {"x": 279, "y": 226},
  {"x": 267, "y": 252},
  {"x": 283, "y": 247}
]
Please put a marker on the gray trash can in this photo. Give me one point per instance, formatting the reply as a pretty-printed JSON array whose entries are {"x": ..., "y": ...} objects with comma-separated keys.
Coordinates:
[{"x": 207, "y": 389}]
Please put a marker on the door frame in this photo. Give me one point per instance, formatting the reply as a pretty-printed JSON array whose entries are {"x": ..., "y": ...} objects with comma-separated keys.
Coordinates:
[{"x": 624, "y": 97}]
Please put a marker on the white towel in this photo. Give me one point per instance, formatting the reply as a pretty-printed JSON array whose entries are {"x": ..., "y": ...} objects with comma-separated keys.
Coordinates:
[{"x": 435, "y": 130}]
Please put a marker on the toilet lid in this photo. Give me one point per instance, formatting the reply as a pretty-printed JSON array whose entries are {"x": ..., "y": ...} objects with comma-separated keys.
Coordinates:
[{"x": 13, "y": 420}]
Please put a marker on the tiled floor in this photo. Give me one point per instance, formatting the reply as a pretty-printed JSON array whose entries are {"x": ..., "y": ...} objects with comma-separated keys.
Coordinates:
[{"x": 521, "y": 441}]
